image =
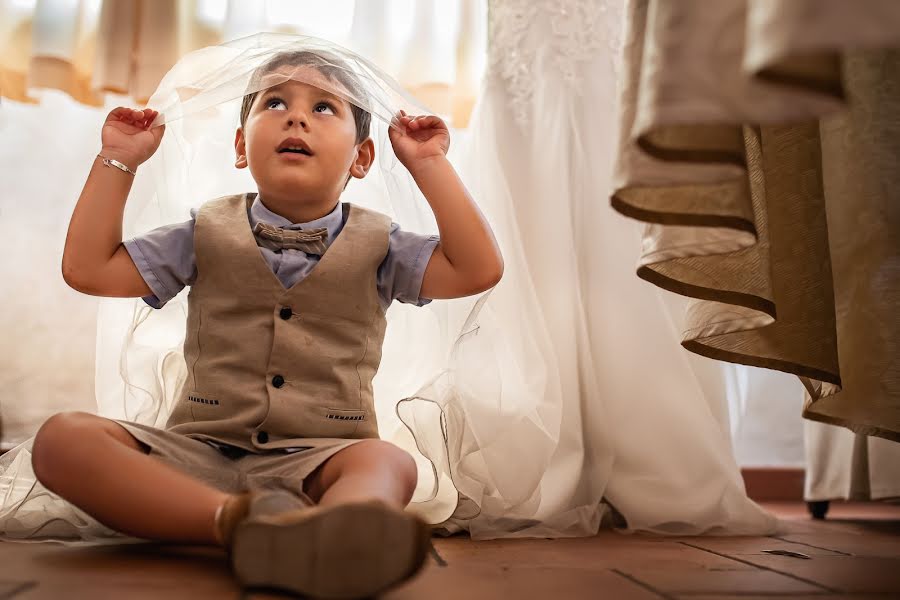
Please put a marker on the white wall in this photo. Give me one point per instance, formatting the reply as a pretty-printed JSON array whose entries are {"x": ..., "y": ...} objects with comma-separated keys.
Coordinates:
[
  {"x": 48, "y": 330},
  {"x": 765, "y": 407}
]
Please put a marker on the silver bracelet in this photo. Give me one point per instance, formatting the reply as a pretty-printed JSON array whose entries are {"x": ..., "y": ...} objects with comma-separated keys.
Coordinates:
[{"x": 111, "y": 162}]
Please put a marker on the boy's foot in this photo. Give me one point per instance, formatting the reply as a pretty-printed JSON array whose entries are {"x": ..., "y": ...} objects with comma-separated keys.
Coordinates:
[{"x": 343, "y": 551}]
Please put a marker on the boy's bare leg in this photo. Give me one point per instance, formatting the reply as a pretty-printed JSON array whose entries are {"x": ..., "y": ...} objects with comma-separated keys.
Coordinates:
[
  {"x": 98, "y": 466},
  {"x": 372, "y": 469}
]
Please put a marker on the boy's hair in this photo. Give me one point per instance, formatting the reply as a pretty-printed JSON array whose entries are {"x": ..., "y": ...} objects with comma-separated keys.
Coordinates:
[{"x": 329, "y": 66}]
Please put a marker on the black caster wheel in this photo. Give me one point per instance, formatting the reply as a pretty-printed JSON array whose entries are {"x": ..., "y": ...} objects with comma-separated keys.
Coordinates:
[{"x": 818, "y": 509}]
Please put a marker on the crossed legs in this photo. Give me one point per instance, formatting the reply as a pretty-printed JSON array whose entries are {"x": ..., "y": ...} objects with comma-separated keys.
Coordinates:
[{"x": 98, "y": 466}]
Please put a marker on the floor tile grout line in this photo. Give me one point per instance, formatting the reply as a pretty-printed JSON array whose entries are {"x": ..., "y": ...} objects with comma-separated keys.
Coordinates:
[
  {"x": 774, "y": 595},
  {"x": 764, "y": 568},
  {"x": 810, "y": 545},
  {"x": 437, "y": 557},
  {"x": 26, "y": 585},
  {"x": 646, "y": 586}
]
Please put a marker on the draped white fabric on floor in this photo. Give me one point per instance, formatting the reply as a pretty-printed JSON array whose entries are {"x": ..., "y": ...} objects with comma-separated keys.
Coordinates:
[{"x": 548, "y": 406}]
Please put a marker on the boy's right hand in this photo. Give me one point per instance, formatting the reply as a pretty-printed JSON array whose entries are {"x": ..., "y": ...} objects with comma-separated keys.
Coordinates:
[{"x": 127, "y": 136}]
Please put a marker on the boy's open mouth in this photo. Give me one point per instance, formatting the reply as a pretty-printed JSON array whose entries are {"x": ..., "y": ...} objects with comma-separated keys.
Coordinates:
[
  {"x": 295, "y": 151},
  {"x": 294, "y": 145}
]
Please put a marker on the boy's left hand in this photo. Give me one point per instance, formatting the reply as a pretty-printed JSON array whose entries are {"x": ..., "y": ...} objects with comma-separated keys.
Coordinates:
[{"x": 417, "y": 139}]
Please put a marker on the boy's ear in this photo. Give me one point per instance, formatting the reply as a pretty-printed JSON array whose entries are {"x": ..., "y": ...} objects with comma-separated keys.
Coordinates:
[
  {"x": 240, "y": 149},
  {"x": 365, "y": 156}
]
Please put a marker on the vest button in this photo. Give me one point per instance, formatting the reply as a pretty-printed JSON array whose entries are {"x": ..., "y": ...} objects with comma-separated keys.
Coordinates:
[
  {"x": 262, "y": 437},
  {"x": 285, "y": 313},
  {"x": 278, "y": 381}
]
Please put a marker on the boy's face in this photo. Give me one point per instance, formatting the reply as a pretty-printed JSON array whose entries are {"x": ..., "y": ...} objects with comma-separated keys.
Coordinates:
[{"x": 300, "y": 140}]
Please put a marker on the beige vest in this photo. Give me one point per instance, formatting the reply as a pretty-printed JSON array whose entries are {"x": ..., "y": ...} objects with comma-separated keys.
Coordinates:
[{"x": 269, "y": 367}]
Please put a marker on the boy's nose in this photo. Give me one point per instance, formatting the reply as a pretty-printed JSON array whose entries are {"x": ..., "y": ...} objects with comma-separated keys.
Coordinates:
[{"x": 297, "y": 117}]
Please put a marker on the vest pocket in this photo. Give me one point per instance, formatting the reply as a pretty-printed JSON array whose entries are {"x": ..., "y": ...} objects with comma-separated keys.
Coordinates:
[
  {"x": 337, "y": 422},
  {"x": 204, "y": 408}
]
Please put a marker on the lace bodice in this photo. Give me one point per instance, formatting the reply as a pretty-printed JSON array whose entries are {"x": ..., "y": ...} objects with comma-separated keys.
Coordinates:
[{"x": 524, "y": 33}]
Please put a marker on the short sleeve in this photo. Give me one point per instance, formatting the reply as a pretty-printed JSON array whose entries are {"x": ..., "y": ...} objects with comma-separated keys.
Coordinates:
[
  {"x": 165, "y": 259},
  {"x": 400, "y": 274}
]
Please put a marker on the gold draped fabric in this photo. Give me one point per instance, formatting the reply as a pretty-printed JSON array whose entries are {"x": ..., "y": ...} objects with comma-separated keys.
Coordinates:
[{"x": 760, "y": 142}]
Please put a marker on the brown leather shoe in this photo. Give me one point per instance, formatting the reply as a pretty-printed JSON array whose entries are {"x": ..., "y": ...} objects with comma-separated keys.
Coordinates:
[
  {"x": 349, "y": 550},
  {"x": 257, "y": 502}
]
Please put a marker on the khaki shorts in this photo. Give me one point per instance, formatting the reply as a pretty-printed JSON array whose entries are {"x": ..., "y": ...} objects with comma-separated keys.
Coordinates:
[{"x": 233, "y": 469}]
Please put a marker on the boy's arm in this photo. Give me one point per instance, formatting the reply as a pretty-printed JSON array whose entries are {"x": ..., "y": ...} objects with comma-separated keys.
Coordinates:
[
  {"x": 94, "y": 259},
  {"x": 467, "y": 260}
]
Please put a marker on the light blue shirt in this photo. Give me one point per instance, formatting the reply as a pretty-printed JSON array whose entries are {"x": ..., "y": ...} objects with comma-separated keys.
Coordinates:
[{"x": 165, "y": 257}]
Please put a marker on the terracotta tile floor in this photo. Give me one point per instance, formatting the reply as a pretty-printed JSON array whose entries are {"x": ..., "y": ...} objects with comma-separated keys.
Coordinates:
[{"x": 854, "y": 554}]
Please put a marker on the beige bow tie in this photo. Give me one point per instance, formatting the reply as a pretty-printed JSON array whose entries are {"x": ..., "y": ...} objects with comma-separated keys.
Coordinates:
[{"x": 311, "y": 241}]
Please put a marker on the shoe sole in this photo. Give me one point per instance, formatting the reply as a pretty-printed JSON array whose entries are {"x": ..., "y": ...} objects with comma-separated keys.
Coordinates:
[{"x": 345, "y": 551}]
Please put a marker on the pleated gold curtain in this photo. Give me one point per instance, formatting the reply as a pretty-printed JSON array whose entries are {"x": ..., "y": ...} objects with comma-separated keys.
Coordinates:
[
  {"x": 760, "y": 142},
  {"x": 88, "y": 47}
]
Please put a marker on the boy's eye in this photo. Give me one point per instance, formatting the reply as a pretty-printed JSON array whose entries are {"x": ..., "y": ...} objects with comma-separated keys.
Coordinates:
[
  {"x": 279, "y": 104},
  {"x": 324, "y": 105}
]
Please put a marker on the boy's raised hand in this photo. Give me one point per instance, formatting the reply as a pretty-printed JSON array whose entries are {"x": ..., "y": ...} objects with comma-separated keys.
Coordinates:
[
  {"x": 419, "y": 138},
  {"x": 128, "y": 137}
]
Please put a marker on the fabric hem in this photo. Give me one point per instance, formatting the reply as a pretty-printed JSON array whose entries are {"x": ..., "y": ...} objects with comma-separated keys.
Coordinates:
[
  {"x": 152, "y": 280},
  {"x": 422, "y": 259},
  {"x": 869, "y": 430},
  {"x": 785, "y": 366}
]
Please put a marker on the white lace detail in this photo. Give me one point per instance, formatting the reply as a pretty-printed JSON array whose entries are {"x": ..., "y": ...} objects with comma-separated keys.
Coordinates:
[{"x": 571, "y": 31}]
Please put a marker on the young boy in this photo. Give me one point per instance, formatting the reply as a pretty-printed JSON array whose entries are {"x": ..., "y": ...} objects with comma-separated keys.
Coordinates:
[{"x": 272, "y": 450}]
